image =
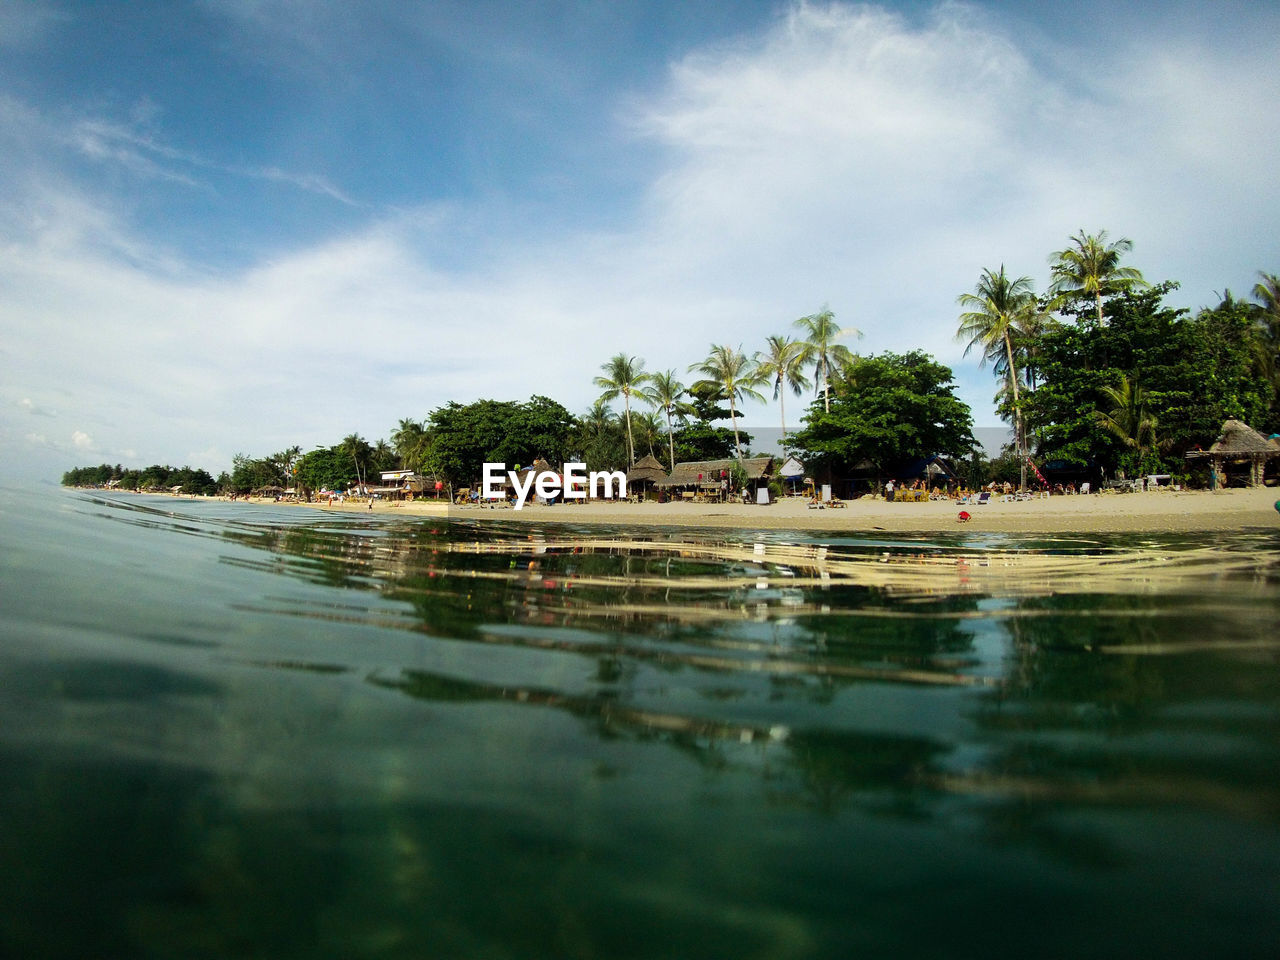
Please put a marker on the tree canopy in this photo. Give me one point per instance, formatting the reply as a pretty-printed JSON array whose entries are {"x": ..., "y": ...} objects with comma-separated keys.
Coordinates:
[
  {"x": 886, "y": 409},
  {"x": 466, "y": 436}
]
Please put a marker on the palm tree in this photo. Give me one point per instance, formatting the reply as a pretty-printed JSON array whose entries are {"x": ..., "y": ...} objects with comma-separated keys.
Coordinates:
[
  {"x": 999, "y": 308},
  {"x": 1267, "y": 291},
  {"x": 284, "y": 461},
  {"x": 357, "y": 448},
  {"x": 783, "y": 362},
  {"x": 648, "y": 430},
  {"x": 664, "y": 393},
  {"x": 820, "y": 348},
  {"x": 735, "y": 375},
  {"x": 410, "y": 440},
  {"x": 1090, "y": 267},
  {"x": 1130, "y": 419},
  {"x": 623, "y": 375}
]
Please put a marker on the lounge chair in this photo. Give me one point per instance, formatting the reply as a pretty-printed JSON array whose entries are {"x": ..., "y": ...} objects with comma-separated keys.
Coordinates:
[{"x": 984, "y": 497}]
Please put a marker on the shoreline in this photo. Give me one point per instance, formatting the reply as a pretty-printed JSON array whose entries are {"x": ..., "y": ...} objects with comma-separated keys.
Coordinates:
[{"x": 1198, "y": 511}]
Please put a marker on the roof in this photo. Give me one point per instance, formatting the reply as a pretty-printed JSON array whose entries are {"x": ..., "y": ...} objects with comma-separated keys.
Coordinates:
[
  {"x": 686, "y": 474},
  {"x": 646, "y": 469},
  {"x": 1238, "y": 439},
  {"x": 791, "y": 467}
]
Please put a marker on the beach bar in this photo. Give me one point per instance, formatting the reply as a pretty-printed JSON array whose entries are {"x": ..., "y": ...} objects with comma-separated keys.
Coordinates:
[{"x": 709, "y": 479}]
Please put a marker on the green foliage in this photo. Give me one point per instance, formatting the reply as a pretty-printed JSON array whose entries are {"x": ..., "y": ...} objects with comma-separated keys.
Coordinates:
[
  {"x": 159, "y": 478},
  {"x": 600, "y": 439},
  {"x": 248, "y": 474},
  {"x": 623, "y": 377},
  {"x": 412, "y": 443},
  {"x": 821, "y": 349},
  {"x": 702, "y": 441},
  {"x": 706, "y": 402},
  {"x": 1089, "y": 270},
  {"x": 325, "y": 468},
  {"x": 465, "y": 437},
  {"x": 735, "y": 375},
  {"x": 886, "y": 409},
  {"x": 1194, "y": 372}
]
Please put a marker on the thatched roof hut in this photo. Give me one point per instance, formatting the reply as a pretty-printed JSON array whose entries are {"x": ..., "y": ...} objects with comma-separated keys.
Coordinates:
[
  {"x": 705, "y": 472},
  {"x": 647, "y": 470},
  {"x": 1238, "y": 442}
]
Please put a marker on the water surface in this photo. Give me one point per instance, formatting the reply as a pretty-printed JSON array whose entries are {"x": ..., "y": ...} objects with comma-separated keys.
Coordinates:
[{"x": 241, "y": 731}]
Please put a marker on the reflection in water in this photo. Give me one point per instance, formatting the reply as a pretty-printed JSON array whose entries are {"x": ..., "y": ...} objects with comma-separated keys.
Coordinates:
[{"x": 313, "y": 735}]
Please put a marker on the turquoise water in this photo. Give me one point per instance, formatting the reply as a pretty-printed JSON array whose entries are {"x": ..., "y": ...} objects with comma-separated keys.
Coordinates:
[{"x": 241, "y": 731}]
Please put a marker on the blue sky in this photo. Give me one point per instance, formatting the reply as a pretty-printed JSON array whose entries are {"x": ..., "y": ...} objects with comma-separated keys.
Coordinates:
[{"x": 233, "y": 227}]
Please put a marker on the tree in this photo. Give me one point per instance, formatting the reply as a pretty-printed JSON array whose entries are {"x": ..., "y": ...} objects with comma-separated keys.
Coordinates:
[
  {"x": 383, "y": 457},
  {"x": 904, "y": 407},
  {"x": 357, "y": 450},
  {"x": 664, "y": 393},
  {"x": 648, "y": 430},
  {"x": 783, "y": 362},
  {"x": 623, "y": 375},
  {"x": 600, "y": 440},
  {"x": 820, "y": 348},
  {"x": 736, "y": 376},
  {"x": 700, "y": 440},
  {"x": 325, "y": 468},
  {"x": 283, "y": 463},
  {"x": 1267, "y": 291},
  {"x": 1266, "y": 341},
  {"x": 1195, "y": 372},
  {"x": 411, "y": 440},
  {"x": 465, "y": 437},
  {"x": 997, "y": 309},
  {"x": 249, "y": 474},
  {"x": 1129, "y": 420},
  {"x": 1090, "y": 268}
]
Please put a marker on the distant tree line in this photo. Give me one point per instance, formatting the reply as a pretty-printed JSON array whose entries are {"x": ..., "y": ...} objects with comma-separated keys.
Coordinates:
[{"x": 156, "y": 477}]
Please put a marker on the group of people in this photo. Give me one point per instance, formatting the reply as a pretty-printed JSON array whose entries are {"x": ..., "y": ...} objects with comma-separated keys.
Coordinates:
[{"x": 961, "y": 492}]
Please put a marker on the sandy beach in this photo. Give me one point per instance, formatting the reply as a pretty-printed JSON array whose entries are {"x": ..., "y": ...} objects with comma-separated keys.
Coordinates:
[{"x": 1153, "y": 512}]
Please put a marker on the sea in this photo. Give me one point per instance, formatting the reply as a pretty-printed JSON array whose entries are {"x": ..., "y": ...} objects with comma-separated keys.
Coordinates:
[{"x": 248, "y": 731}]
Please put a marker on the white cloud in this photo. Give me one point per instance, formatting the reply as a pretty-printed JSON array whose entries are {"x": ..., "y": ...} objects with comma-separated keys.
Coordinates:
[
  {"x": 29, "y": 406},
  {"x": 82, "y": 441}
]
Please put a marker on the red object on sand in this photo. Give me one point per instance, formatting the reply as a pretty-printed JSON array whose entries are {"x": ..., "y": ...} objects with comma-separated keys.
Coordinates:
[{"x": 964, "y": 517}]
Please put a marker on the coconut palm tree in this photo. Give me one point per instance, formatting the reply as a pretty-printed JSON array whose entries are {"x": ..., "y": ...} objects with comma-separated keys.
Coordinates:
[
  {"x": 664, "y": 393},
  {"x": 1267, "y": 292},
  {"x": 410, "y": 440},
  {"x": 284, "y": 461},
  {"x": 820, "y": 348},
  {"x": 623, "y": 375},
  {"x": 783, "y": 362},
  {"x": 648, "y": 430},
  {"x": 998, "y": 309},
  {"x": 1090, "y": 267},
  {"x": 357, "y": 448},
  {"x": 1130, "y": 419},
  {"x": 735, "y": 375}
]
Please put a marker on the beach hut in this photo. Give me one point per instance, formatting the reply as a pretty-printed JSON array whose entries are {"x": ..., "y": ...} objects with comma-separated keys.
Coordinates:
[
  {"x": 643, "y": 475},
  {"x": 791, "y": 472},
  {"x": 1238, "y": 443},
  {"x": 706, "y": 478}
]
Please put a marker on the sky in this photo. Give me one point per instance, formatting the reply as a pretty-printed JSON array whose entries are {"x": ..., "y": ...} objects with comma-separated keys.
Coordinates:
[{"x": 233, "y": 227}]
